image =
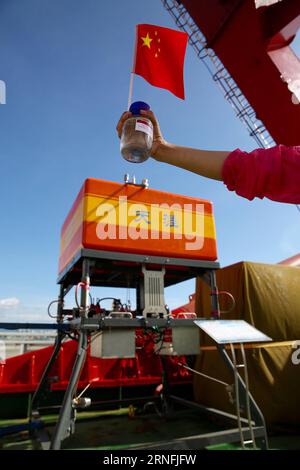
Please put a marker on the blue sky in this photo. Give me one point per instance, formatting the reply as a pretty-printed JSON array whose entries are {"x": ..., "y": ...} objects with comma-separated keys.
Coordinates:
[{"x": 66, "y": 65}]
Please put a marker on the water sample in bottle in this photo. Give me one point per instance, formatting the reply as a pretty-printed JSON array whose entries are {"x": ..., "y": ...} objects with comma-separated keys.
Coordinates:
[{"x": 137, "y": 135}]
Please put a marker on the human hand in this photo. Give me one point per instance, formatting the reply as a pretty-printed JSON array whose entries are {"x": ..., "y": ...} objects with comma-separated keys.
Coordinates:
[
  {"x": 158, "y": 140},
  {"x": 121, "y": 122}
]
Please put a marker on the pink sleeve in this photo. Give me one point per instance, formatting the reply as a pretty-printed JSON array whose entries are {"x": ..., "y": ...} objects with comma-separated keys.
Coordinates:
[{"x": 273, "y": 173}]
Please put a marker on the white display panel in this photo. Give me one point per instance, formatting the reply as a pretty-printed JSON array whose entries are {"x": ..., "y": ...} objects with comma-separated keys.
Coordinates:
[{"x": 232, "y": 331}]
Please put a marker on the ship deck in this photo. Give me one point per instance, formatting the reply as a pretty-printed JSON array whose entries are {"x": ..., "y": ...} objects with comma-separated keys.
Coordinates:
[{"x": 119, "y": 430}]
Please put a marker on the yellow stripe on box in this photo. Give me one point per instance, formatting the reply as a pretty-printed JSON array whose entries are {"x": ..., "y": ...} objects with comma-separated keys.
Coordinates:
[{"x": 159, "y": 217}]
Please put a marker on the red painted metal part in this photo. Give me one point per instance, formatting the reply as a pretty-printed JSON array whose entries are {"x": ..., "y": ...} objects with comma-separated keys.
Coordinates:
[
  {"x": 253, "y": 45},
  {"x": 23, "y": 373},
  {"x": 190, "y": 307},
  {"x": 292, "y": 261}
]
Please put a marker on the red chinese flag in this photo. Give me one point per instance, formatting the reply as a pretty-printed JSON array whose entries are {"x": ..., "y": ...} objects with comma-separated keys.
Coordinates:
[{"x": 159, "y": 57}]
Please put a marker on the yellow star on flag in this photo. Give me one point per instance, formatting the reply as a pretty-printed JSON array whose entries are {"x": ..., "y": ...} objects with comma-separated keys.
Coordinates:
[{"x": 147, "y": 41}]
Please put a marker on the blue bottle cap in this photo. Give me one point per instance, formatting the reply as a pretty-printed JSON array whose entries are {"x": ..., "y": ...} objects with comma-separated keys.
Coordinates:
[{"x": 136, "y": 107}]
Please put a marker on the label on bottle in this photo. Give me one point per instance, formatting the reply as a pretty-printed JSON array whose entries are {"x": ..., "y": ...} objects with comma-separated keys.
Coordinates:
[{"x": 144, "y": 126}]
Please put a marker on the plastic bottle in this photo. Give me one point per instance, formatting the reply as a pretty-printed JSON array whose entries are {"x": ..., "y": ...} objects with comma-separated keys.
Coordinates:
[{"x": 137, "y": 135}]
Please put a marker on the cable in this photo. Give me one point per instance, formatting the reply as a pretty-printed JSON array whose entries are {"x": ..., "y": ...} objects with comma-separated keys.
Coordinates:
[
  {"x": 153, "y": 335},
  {"x": 203, "y": 375},
  {"x": 49, "y": 306},
  {"x": 224, "y": 292},
  {"x": 95, "y": 336},
  {"x": 83, "y": 285},
  {"x": 153, "y": 404},
  {"x": 161, "y": 340},
  {"x": 108, "y": 298},
  {"x": 73, "y": 338}
]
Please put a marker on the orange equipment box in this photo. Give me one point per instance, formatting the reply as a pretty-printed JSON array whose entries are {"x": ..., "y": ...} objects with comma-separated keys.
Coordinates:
[{"x": 130, "y": 218}]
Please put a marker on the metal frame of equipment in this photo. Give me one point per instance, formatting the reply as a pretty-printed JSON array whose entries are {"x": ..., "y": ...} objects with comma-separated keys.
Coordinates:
[{"x": 96, "y": 268}]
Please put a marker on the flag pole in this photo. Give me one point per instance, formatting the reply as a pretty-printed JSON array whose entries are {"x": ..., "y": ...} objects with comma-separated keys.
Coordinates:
[
  {"x": 130, "y": 90},
  {"x": 132, "y": 70}
]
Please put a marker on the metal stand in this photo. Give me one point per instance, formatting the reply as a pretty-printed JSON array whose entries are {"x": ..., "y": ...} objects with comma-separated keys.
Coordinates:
[
  {"x": 244, "y": 401},
  {"x": 118, "y": 276},
  {"x": 43, "y": 387},
  {"x": 249, "y": 430},
  {"x": 66, "y": 421}
]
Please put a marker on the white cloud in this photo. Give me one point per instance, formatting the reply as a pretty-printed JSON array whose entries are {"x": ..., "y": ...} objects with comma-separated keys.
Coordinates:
[
  {"x": 9, "y": 302},
  {"x": 13, "y": 310}
]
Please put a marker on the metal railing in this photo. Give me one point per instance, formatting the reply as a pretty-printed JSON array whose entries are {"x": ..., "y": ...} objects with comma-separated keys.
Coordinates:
[{"x": 19, "y": 342}]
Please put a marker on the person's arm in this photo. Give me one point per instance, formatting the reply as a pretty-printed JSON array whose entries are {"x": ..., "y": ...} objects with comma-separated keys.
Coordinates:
[
  {"x": 208, "y": 163},
  {"x": 273, "y": 173}
]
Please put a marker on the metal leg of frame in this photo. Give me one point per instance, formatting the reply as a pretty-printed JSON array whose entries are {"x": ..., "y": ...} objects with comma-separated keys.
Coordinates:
[
  {"x": 67, "y": 416},
  {"x": 209, "y": 277},
  {"x": 215, "y": 309},
  {"x": 246, "y": 400},
  {"x": 66, "y": 421},
  {"x": 43, "y": 387}
]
